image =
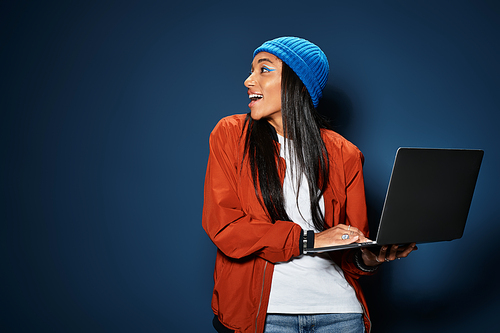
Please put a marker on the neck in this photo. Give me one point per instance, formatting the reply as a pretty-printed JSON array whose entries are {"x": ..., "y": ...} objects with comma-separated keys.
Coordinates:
[{"x": 278, "y": 126}]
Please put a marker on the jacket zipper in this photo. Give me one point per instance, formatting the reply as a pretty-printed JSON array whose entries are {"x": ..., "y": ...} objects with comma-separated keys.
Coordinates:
[
  {"x": 261, "y": 295},
  {"x": 364, "y": 310},
  {"x": 364, "y": 314}
]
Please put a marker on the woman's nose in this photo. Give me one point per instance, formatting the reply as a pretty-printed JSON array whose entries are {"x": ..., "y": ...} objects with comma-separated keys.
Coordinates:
[{"x": 249, "y": 82}]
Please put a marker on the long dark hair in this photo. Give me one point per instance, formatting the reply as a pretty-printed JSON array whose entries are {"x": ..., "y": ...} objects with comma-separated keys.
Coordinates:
[{"x": 301, "y": 124}]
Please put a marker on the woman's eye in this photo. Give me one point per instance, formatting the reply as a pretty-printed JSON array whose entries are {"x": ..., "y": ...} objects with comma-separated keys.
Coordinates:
[{"x": 266, "y": 70}]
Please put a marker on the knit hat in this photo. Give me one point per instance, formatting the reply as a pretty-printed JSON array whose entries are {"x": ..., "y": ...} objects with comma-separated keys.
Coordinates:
[{"x": 304, "y": 58}]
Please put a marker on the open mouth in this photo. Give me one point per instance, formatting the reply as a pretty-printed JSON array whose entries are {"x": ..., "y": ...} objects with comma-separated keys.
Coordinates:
[{"x": 255, "y": 97}]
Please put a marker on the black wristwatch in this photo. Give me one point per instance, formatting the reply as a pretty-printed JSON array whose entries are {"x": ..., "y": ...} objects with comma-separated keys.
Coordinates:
[{"x": 308, "y": 241}]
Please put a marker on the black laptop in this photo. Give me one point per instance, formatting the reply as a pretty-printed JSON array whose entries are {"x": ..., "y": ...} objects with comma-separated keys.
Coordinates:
[{"x": 428, "y": 198}]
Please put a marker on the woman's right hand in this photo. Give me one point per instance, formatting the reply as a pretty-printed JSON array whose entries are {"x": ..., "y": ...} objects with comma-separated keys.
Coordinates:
[{"x": 340, "y": 234}]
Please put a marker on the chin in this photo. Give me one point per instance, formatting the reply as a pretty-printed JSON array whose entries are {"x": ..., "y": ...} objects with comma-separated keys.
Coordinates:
[{"x": 255, "y": 115}]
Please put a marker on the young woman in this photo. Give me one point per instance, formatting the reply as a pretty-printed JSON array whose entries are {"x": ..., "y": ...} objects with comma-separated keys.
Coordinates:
[{"x": 277, "y": 180}]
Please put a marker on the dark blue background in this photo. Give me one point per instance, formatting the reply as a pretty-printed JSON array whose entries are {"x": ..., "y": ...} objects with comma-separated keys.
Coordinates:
[{"x": 106, "y": 108}]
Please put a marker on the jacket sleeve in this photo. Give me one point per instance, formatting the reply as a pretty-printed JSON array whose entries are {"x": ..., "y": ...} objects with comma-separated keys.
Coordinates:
[
  {"x": 231, "y": 229},
  {"x": 356, "y": 211}
]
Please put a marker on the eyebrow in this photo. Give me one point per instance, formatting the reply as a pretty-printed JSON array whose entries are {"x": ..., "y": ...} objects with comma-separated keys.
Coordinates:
[
  {"x": 264, "y": 59},
  {"x": 261, "y": 60}
]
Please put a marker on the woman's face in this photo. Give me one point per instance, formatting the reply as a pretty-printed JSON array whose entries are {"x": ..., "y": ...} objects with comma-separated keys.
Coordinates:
[{"x": 264, "y": 89}]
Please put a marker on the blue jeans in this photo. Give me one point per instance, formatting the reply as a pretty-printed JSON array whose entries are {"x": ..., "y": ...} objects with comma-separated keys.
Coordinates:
[{"x": 317, "y": 323}]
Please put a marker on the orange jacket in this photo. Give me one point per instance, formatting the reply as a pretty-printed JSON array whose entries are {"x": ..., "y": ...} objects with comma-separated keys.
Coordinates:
[{"x": 248, "y": 244}]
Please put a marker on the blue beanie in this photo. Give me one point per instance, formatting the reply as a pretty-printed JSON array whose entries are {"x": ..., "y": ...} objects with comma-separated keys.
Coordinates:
[{"x": 304, "y": 58}]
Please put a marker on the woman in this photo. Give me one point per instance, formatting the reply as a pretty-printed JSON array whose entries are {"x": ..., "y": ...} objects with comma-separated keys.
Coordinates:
[{"x": 279, "y": 181}]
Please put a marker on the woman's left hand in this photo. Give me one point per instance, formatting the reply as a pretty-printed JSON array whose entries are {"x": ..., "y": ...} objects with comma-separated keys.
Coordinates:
[{"x": 387, "y": 253}]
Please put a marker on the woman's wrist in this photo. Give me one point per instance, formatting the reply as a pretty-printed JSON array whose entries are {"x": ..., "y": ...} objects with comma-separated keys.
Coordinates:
[{"x": 359, "y": 262}]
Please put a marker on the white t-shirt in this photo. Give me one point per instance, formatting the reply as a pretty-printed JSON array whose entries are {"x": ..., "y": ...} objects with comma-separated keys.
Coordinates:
[{"x": 310, "y": 283}]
